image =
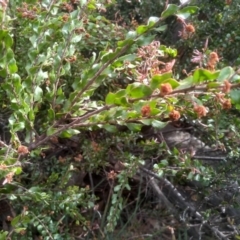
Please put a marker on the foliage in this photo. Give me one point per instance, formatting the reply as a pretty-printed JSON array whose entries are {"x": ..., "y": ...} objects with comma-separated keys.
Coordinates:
[
  {"x": 57, "y": 56},
  {"x": 220, "y": 18}
]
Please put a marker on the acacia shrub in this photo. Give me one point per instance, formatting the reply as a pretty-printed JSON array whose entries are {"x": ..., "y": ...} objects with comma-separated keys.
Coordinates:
[{"x": 49, "y": 82}]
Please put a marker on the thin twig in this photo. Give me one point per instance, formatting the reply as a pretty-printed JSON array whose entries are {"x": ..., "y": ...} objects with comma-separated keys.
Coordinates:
[
  {"x": 68, "y": 126},
  {"x": 60, "y": 68},
  {"x": 183, "y": 205},
  {"x": 91, "y": 81}
]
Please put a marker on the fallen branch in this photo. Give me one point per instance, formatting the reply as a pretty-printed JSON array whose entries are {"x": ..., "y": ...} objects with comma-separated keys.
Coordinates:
[{"x": 177, "y": 200}]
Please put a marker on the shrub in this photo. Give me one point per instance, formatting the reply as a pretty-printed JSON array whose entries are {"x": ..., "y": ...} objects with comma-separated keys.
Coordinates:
[{"x": 70, "y": 78}]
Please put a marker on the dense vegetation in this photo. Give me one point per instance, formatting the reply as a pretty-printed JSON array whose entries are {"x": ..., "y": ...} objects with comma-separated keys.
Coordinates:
[{"x": 119, "y": 119}]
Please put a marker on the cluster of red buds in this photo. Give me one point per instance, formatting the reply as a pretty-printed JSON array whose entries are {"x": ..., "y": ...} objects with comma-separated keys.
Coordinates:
[
  {"x": 150, "y": 64},
  {"x": 225, "y": 102},
  {"x": 27, "y": 12},
  {"x": 200, "y": 110},
  {"x": 69, "y": 7},
  {"x": 212, "y": 61},
  {"x": 187, "y": 29},
  {"x": 174, "y": 115},
  {"x": 146, "y": 111}
]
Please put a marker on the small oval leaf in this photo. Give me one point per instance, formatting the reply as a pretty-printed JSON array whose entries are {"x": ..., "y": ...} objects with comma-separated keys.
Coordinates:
[
  {"x": 152, "y": 21},
  {"x": 171, "y": 10},
  {"x": 225, "y": 73},
  {"x": 187, "y": 12},
  {"x": 38, "y": 92}
]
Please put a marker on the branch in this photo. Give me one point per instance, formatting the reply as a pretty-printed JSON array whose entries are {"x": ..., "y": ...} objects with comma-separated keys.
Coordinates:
[
  {"x": 162, "y": 197},
  {"x": 123, "y": 50},
  {"x": 178, "y": 200},
  {"x": 68, "y": 126},
  {"x": 91, "y": 81}
]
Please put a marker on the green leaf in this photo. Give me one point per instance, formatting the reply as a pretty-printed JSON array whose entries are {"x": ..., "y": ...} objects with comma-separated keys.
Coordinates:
[
  {"x": 75, "y": 14},
  {"x": 126, "y": 42},
  {"x": 130, "y": 35},
  {"x": 138, "y": 91},
  {"x": 31, "y": 115},
  {"x": 225, "y": 74},
  {"x": 117, "y": 188},
  {"x": 158, "y": 79},
  {"x": 197, "y": 177},
  {"x": 51, "y": 114},
  {"x": 171, "y": 10},
  {"x": 110, "y": 128},
  {"x": 32, "y": 70},
  {"x": 135, "y": 127},
  {"x": 12, "y": 66},
  {"x": 190, "y": 175},
  {"x": 145, "y": 40},
  {"x": 38, "y": 92},
  {"x": 155, "y": 111},
  {"x": 161, "y": 28},
  {"x": 152, "y": 21},
  {"x": 8, "y": 41},
  {"x": 76, "y": 39},
  {"x": 6, "y": 38},
  {"x": 172, "y": 52},
  {"x": 236, "y": 78},
  {"x": 18, "y": 126},
  {"x": 158, "y": 124},
  {"x": 160, "y": 172},
  {"x": 174, "y": 83},
  {"x": 142, "y": 29},
  {"x": 133, "y": 115},
  {"x": 33, "y": 40},
  {"x": 50, "y": 131},
  {"x": 16, "y": 220},
  {"x": 127, "y": 186},
  {"x": 147, "y": 122},
  {"x": 17, "y": 170},
  {"x": 69, "y": 133},
  {"x": 3, "y": 235},
  {"x": 110, "y": 98},
  {"x": 187, "y": 12},
  {"x": 33, "y": 54},
  {"x": 235, "y": 96},
  {"x": 3, "y": 73},
  {"x": 213, "y": 85},
  {"x": 108, "y": 56},
  {"x": 186, "y": 83},
  {"x": 41, "y": 75},
  {"x": 120, "y": 61},
  {"x": 121, "y": 101},
  {"x": 201, "y": 75},
  {"x": 9, "y": 55},
  {"x": 120, "y": 93}
]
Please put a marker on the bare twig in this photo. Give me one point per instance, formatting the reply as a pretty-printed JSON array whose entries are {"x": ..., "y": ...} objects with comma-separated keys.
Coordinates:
[
  {"x": 183, "y": 205},
  {"x": 162, "y": 197},
  {"x": 67, "y": 126},
  {"x": 166, "y": 4}
]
